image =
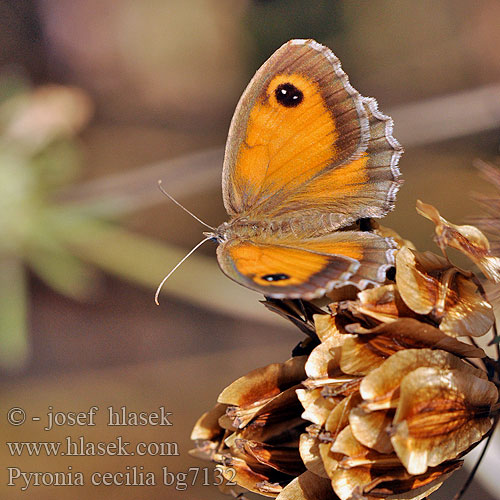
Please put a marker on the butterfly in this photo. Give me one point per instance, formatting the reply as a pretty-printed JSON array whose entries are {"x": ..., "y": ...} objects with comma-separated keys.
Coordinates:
[{"x": 308, "y": 162}]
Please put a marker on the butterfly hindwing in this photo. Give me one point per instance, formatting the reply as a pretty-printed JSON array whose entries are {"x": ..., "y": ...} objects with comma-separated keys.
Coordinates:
[{"x": 306, "y": 268}]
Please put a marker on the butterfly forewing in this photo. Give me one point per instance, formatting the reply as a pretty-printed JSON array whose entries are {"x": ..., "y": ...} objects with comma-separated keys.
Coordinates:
[
  {"x": 310, "y": 154},
  {"x": 274, "y": 146}
]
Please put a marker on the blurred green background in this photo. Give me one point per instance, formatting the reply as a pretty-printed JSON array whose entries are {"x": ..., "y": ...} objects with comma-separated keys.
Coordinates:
[{"x": 98, "y": 100}]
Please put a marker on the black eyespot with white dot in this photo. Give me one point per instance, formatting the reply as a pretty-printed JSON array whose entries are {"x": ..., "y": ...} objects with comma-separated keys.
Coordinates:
[
  {"x": 288, "y": 95},
  {"x": 275, "y": 277}
]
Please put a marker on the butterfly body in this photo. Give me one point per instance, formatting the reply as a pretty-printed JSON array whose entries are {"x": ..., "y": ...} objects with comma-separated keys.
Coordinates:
[
  {"x": 307, "y": 157},
  {"x": 245, "y": 227}
]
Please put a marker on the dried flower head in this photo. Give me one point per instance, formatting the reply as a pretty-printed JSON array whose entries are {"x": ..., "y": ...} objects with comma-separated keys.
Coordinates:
[
  {"x": 389, "y": 392},
  {"x": 254, "y": 430}
]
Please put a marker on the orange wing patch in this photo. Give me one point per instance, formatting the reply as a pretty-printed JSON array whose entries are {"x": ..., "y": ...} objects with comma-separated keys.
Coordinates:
[
  {"x": 335, "y": 191},
  {"x": 292, "y": 266},
  {"x": 352, "y": 249},
  {"x": 285, "y": 146}
]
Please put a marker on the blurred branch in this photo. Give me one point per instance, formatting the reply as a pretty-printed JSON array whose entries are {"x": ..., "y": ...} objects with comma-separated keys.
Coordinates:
[
  {"x": 130, "y": 191},
  {"x": 448, "y": 117},
  {"x": 423, "y": 122}
]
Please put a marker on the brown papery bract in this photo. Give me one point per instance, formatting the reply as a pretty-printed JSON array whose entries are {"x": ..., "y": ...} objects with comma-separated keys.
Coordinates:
[
  {"x": 369, "y": 349},
  {"x": 308, "y": 486},
  {"x": 440, "y": 414},
  {"x": 432, "y": 287},
  {"x": 383, "y": 303},
  {"x": 467, "y": 239},
  {"x": 380, "y": 388}
]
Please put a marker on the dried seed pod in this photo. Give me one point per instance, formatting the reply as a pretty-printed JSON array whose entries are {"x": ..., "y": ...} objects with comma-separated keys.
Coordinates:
[
  {"x": 440, "y": 414},
  {"x": 467, "y": 239}
]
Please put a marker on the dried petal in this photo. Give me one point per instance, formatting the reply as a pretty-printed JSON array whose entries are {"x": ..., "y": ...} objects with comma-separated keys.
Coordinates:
[
  {"x": 342, "y": 387},
  {"x": 324, "y": 359},
  {"x": 472, "y": 315},
  {"x": 277, "y": 420},
  {"x": 241, "y": 416},
  {"x": 339, "y": 417},
  {"x": 284, "y": 459},
  {"x": 441, "y": 413},
  {"x": 356, "y": 453},
  {"x": 238, "y": 471},
  {"x": 207, "y": 426},
  {"x": 310, "y": 454},
  {"x": 431, "y": 286},
  {"x": 207, "y": 433},
  {"x": 226, "y": 422},
  {"x": 372, "y": 428},
  {"x": 467, "y": 239},
  {"x": 317, "y": 408},
  {"x": 357, "y": 357},
  {"x": 327, "y": 329},
  {"x": 333, "y": 386},
  {"x": 362, "y": 353},
  {"x": 262, "y": 384},
  {"x": 375, "y": 482},
  {"x": 336, "y": 422},
  {"x": 330, "y": 459},
  {"x": 380, "y": 388},
  {"x": 418, "y": 289},
  {"x": 382, "y": 303}
]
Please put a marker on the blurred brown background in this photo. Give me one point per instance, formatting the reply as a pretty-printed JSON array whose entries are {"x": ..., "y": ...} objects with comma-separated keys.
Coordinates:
[{"x": 160, "y": 81}]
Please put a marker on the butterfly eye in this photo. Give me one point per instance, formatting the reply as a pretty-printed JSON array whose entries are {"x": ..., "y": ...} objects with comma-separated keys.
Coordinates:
[
  {"x": 288, "y": 95},
  {"x": 275, "y": 277},
  {"x": 391, "y": 274}
]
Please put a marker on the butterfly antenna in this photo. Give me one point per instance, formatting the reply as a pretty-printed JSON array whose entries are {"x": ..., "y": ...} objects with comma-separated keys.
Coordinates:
[
  {"x": 170, "y": 197},
  {"x": 158, "y": 290}
]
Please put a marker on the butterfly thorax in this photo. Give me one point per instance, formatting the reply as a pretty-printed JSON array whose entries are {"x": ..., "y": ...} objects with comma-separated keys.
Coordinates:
[{"x": 246, "y": 228}]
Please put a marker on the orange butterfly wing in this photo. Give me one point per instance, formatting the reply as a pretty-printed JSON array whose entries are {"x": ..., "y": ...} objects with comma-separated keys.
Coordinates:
[
  {"x": 307, "y": 268},
  {"x": 306, "y": 157},
  {"x": 328, "y": 154}
]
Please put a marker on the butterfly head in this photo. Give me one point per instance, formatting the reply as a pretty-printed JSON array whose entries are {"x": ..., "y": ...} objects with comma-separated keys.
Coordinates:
[{"x": 220, "y": 234}]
